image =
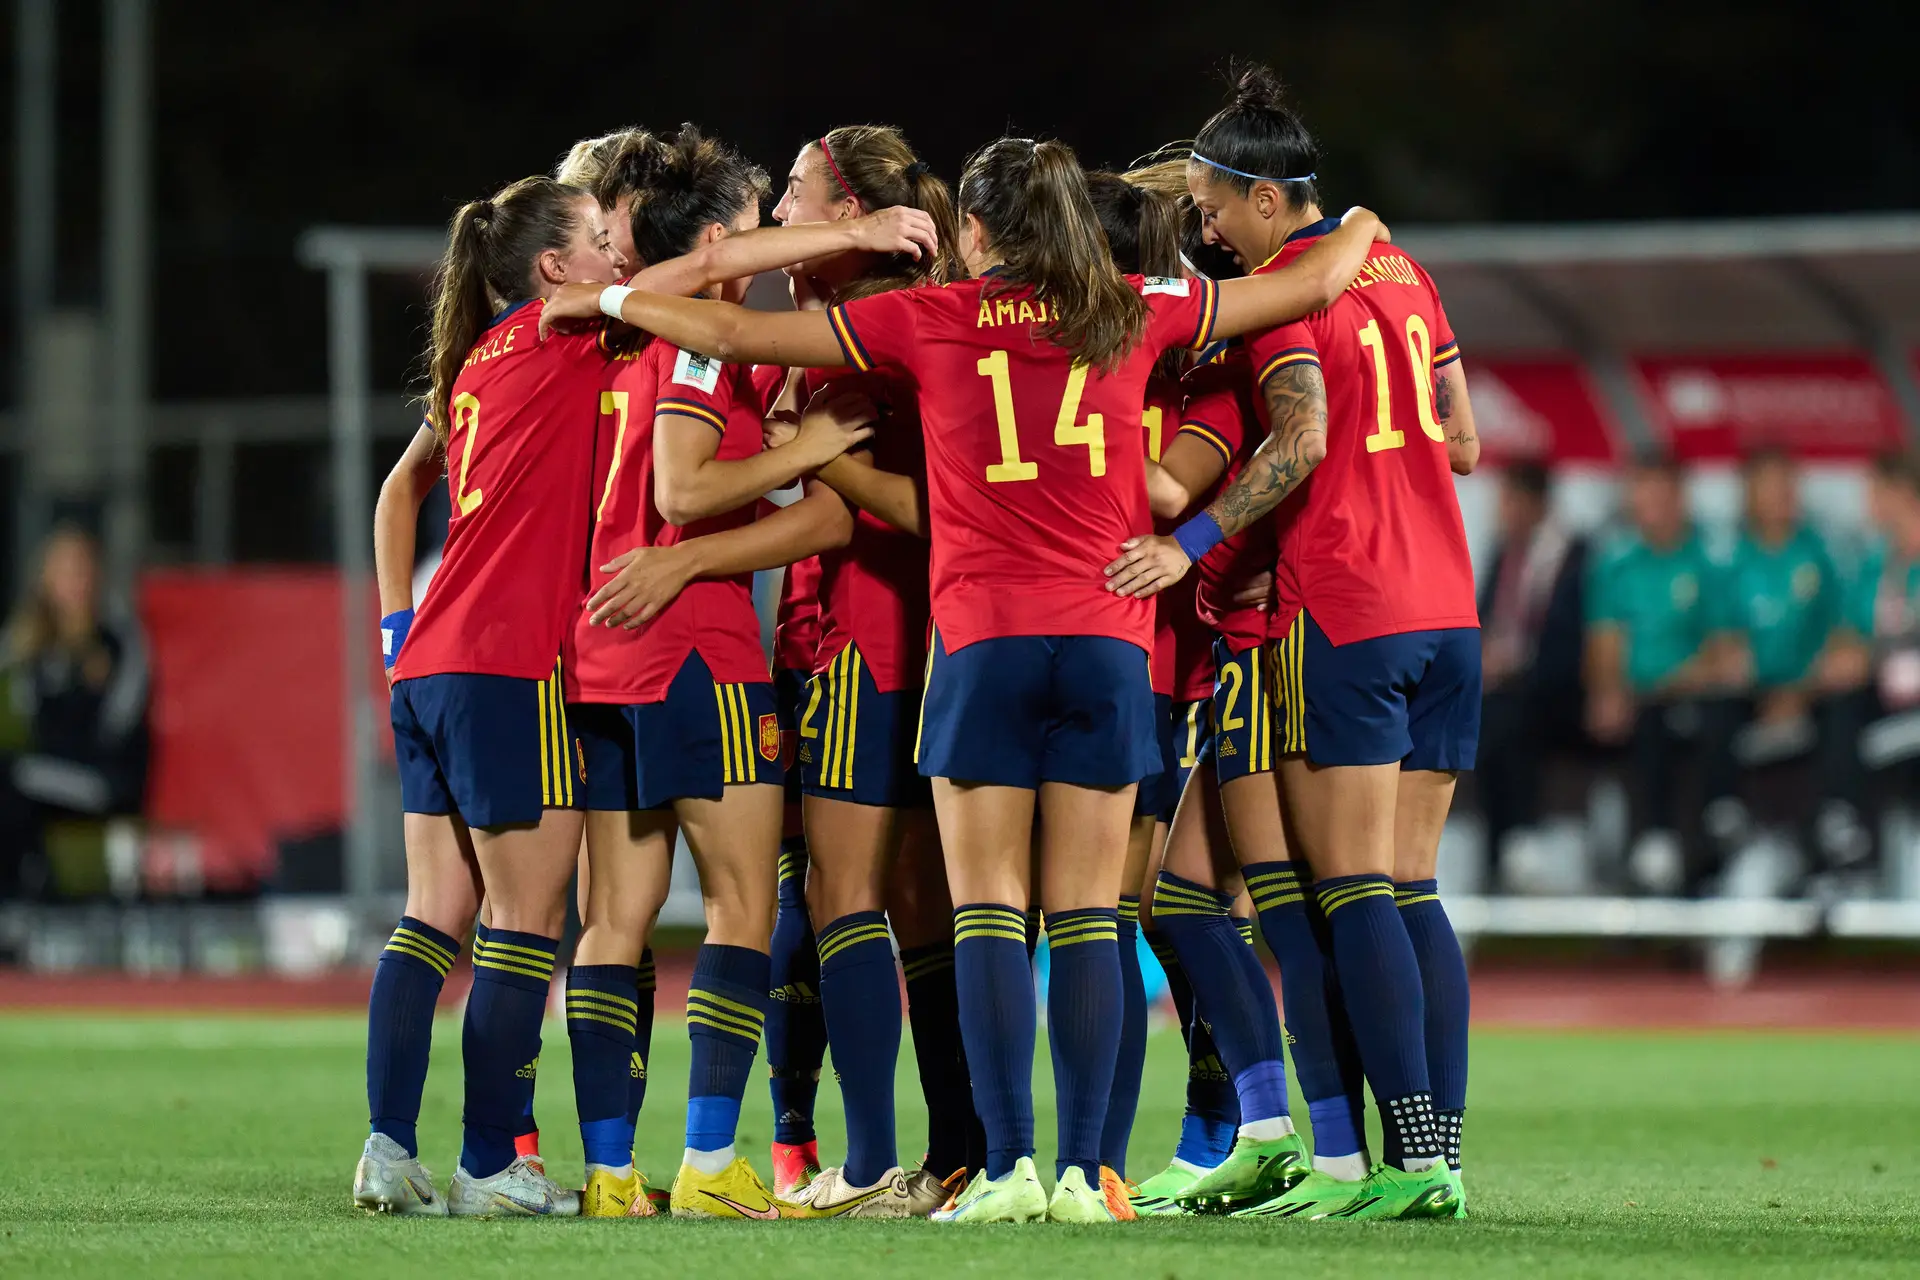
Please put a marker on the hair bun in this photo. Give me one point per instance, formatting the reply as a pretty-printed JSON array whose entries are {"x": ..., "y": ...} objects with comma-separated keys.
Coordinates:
[{"x": 1257, "y": 86}]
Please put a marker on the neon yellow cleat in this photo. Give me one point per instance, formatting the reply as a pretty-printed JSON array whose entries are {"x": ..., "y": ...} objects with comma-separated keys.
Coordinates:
[
  {"x": 1018, "y": 1197},
  {"x": 734, "y": 1192},
  {"x": 608, "y": 1195},
  {"x": 1075, "y": 1201}
]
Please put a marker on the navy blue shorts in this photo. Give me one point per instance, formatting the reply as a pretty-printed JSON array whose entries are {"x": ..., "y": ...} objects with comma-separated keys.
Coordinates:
[
  {"x": 494, "y": 749},
  {"x": 703, "y": 738},
  {"x": 607, "y": 757},
  {"x": 1017, "y": 711},
  {"x": 1186, "y": 741},
  {"x": 1244, "y": 714},
  {"x": 789, "y": 696},
  {"x": 856, "y": 743},
  {"x": 1151, "y": 798},
  {"x": 1411, "y": 699}
]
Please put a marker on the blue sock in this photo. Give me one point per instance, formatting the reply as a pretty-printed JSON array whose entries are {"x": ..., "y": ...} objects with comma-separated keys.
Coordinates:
[
  {"x": 933, "y": 1009},
  {"x": 993, "y": 971},
  {"x": 500, "y": 1043},
  {"x": 860, "y": 992},
  {"x": 1346, "y": 1051},
  {"x": 1123, "y": 1100},
  {"x": 1033, "y": 932},
  {"x": 406, "y": 985},
  {"x": 796, "y": 1027},
  {"x": 1443, "y": 981},
  {"x": 1213, "y": 1109},
  {"x": 603, "y": 1015},
  {"x": 1231, "y": 990},
  {"x": 1084, "y": 1011},
  {"x": 726, "y": 1007},
  {"x": 1279, "y": 891},
  {"x": 1381, "y": 981},
  {"x": 526, "y": 1133},
  {"x": 642, "y": 1038}
]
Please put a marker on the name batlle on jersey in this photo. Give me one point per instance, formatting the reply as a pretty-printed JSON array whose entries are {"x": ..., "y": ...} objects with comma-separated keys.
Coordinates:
[
  {"x": 995, "y": 312},
  {"x": 498, "y": 345}
]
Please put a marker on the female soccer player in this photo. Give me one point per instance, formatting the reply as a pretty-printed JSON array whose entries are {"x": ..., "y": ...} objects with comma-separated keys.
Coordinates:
[
  {"x": 1375, "y": 641},
  {"x": 1038, "y": 686},
  {"x": 676, "y": 716},
  {"x": 486, "y": 765}
]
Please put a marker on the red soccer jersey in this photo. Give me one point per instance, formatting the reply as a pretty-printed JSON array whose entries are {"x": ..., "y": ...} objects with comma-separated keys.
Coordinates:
[
  {"x": 1219, "y": 411},
  {"x": 1172, "y": 608},
  {"x": 519, "y": 463},
  {"x": 796, "y": 628},
  {"x": 873, "y": 591},
  {"x": 713, "y": 617},
  {"x": 1376, "y": 546},
  {"x": 1035, "y": 465}
]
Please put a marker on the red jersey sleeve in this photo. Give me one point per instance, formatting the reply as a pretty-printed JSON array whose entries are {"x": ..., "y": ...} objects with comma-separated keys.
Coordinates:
[
  {"x": 1212, "y": 409},
  {"x": 875, "y": 331},
  {"x": 1445, "y": 349},
  {"x": 1180, "y": 310},
  {"x": 699, "y": 387},
  {"x": 768, "y": 381},
  {"x": 1281, "y": 348}
]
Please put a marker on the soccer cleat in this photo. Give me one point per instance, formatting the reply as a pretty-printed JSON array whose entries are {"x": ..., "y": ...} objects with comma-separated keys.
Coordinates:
[
  {"x": 1390, "y": 1193},
  {"x": 929, "y": 1192},
  {"x": 794, "y": 1166},
  {"x": 898, "y": 1194},
  {"x": 1256, "y": 1170},
  {"x": 521, "y": 1190},
  {"x": 1075, "y": 1201},
  {"x": 1018, "y": 1197},
  {"x": 1313, "y": 1195},
  {"x": 608, "y": 1195},
  {"x": 1118, "y": 1193},
  {"x": 388, "y": 1180},
  {"x": 1459, "y": 1193},
  {"x": 1156, "y": 1196},
  {"x": 734, "y": 1192}
]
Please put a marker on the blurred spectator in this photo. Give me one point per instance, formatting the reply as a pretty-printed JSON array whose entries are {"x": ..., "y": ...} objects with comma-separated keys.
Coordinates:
[
  {"x": 77, "y": 686},
  {"x": 1531, "y": 637},
  {"x": 1881, "y": 649},
  {"x": 1654, "y": 661}
]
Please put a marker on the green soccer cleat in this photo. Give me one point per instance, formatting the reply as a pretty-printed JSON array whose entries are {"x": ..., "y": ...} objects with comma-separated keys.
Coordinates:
[
  {"x": 1459, "y": 1193},
  {"x": 1018, "y": 1197},
  {"x": 1074, "y": 1201},
  {"x": 1156, "y": 1196},
  {"x": 1313, "y": 1195},
  {"x": 1391, "y": 1194},
  {"x": 1257, "y": 1170}
]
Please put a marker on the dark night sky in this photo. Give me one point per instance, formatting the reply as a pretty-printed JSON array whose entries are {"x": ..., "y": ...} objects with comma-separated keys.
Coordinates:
[{"x": 270, "y": 118}]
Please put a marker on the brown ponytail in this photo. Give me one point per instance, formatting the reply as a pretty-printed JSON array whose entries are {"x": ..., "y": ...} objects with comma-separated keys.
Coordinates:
[
  {"x": 491, "y": 249},
  {"x": 1031, "y": 199},
  {"x": 1141, "y": 225},
  {"x": 874, "y": 164}
]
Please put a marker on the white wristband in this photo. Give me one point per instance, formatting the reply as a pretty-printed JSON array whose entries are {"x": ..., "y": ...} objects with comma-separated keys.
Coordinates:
[{"x": 611, "y": 297}]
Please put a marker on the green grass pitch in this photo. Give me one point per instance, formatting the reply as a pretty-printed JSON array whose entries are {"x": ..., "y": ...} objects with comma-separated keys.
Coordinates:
[{"x": 157, "y": 1146}]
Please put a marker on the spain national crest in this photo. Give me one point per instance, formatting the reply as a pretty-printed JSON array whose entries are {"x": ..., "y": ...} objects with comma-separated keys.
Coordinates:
[{"x": 769, "y": 738}]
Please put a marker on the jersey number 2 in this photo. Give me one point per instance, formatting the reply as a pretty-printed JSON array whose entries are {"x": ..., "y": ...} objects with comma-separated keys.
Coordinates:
[
  {"x": 1066, "y": 431},
  {"x": 466, "y": 413},
  {"x": 1420, "y": 353}
]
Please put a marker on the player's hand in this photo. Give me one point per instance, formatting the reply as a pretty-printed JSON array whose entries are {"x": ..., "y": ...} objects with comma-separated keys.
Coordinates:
[
  {"x": 1255, "y": 592},
  {"x": 896, "y": 230},
  {"x": 837, "y": 418},
  {"x": 780, "y": 427},
  {"x": 1147, "y": 564},
  {"x": 570, "y": 302},
  {"x": 645, "y": 581},
  {"x": 1380, "y": 232}
]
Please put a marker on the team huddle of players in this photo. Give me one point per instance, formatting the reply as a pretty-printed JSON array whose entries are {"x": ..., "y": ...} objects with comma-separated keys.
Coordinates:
[{"x": 1126, "y": 592}]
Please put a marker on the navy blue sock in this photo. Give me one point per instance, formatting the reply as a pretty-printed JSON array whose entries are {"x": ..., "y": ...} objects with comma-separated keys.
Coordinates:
[
  {"x": 1381, "y": 981},
  {"x": 993, "y": 971},
  {"x": 726, "y": 1007},
  {"x": 603, "y": 1015},
  {"x": 406, "y": 985},
  {"x": 1231, "y": 990},
  {"x": 1346, "y": 1051},
  {"x": 860, "y": 992},
  {"x": 644, "y": 984},
  {"x": 1033, "y": 932},
  {"x": 1279, "y": 891},
  {"x": 526, "y": 1133},
  {"x": 1213, "y": 1109},
  {"x": 1443, "y": 981},
  {"x": 1123, "y": 1100},
  {"x": 796, "y": 1027},
  {"x": 1084, "y": 1003},
  {"x": 500, "y": 1043},
  {"x": 1245, "y": 928},
  {"x": 933, "y": 1010}
]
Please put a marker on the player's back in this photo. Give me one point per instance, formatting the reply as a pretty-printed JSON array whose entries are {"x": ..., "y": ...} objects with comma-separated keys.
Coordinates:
[
  {"x": 519, "y": 464},
  {"x": 1378, "y": 546}
]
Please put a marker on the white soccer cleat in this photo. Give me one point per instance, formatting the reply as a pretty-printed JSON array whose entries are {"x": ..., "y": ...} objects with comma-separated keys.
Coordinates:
[
  {"x": 522, "y": 1189},
  {"x": 897, "y": 1194},
  {"x": 388, "y": 1180}
]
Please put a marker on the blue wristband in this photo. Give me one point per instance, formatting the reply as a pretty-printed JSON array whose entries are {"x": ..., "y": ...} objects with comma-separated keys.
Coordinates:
[
  {"x": 393, "y": 634},
  {"x": 1199, "y": 536}
]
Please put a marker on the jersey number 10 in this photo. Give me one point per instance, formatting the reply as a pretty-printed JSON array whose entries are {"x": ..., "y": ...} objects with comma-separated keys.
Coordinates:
[{"x": 1420, "y": 353}]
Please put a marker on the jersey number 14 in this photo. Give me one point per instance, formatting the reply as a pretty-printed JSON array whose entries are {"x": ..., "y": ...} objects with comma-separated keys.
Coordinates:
[{"x": 1066, "y": 431}]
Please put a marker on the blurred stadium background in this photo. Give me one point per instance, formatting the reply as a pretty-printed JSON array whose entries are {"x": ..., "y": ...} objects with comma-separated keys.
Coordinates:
[{"x": 223, "y": 217}]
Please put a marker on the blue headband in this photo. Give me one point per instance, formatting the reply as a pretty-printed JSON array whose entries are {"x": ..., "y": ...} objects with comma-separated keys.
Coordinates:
[{"x": 1242, "y": 173}]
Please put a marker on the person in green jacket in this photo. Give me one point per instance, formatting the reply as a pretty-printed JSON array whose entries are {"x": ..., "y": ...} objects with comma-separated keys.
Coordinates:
[{"x": 1658, "y": 657}]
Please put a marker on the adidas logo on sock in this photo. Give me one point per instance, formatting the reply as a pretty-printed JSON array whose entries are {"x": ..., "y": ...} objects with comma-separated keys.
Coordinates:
[
  {"x": 531, "y": 1070},
  {"x": 637, "y": 1068}
]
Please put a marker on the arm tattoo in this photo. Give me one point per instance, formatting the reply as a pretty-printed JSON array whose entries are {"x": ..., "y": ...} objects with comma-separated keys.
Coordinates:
[
  {"x": 1297, "y": 409},
  {"x": 1443, "y": 406}
]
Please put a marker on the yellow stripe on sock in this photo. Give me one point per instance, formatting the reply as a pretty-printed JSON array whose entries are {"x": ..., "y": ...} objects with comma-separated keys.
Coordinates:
[
  {"x": 514, "y": 948},
  {"x": 1412, "y": 899},
  {"x": 596, "y": 996},
  {"x": 451, "y": 953},
  {"x": 403, "y": 947},
  {"x": 989, "y": 931},
  {"x": 719, "y": 1001},
  {"x": 591, "y": 1016},
  {"x": 834, "y": 945},
  {"x": 703, "y": 1020},
  {"x": 1352, "y": 893},
  {"x": 701, "y": 1012},
  {"x": 525, "y": 971}
]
